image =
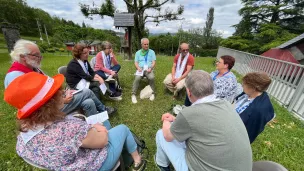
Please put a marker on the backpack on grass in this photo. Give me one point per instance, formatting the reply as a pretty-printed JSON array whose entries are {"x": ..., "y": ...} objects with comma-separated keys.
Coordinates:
[{"x": 141, "y": 148}]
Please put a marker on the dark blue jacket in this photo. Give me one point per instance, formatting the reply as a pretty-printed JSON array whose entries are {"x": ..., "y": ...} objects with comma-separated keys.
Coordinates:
[{"x": 257, "y": 115}]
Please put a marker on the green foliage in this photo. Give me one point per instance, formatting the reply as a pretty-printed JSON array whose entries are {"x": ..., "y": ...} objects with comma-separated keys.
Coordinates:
[
  {"x": 59, "y": 30},
  {"x": 267, "y": 37},
  {"x": 287, "y": 14},
  {"x": 139, "y": 8},
  {"x": 168, "y": 44},
  {"x": 206, "y": 52},
  {"x": 51, "y": 50},
  {"x": 266, "y": 24},
  {"x": 61, "y": 50},
  {"x": 43, "y": 47}
]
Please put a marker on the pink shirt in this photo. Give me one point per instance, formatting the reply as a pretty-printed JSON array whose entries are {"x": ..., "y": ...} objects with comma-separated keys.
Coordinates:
[{"x": 99, "y": 63}]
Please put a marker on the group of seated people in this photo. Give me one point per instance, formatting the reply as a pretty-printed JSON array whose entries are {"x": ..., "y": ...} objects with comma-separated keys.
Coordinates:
[{"x": 213, "y": 132}]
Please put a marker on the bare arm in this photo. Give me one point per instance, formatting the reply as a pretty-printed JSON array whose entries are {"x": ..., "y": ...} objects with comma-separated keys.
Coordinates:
[
  {"x": 137, "y": 66},
  {"x": 98, "y": 78},
  {"x": 173, "y": 70},
  {"x": 166, "y": 130},
  {"x": 95, "y": 139},
  {"x": 167, "y": 118},
  {"x": 153, "y": 65}
]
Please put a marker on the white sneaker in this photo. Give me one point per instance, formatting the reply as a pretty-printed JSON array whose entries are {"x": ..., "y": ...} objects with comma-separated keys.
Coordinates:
[
  {"x": 134, "y": 100},
  {"x": 152, "y": 97}
]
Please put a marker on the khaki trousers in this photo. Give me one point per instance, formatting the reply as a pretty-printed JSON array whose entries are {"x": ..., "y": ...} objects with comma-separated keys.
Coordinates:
[{"x": 174, "y": 88}]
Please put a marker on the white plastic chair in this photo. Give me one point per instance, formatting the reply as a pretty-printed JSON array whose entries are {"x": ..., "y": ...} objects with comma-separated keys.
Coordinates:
[
  {"x": 62, "y": 70},
  {"x": 93, "y": 62}
]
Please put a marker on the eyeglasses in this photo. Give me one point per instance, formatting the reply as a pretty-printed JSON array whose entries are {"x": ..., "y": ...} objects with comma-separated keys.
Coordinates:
[
  {"x": 37, "y": 56},
  {"x": 185, "y": 50},
  {"x": 145, "y": 44},
  {"x": 217, "y": 61}
]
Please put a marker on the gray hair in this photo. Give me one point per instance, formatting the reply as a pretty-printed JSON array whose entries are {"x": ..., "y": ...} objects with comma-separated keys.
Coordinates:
[
  {"x": 105, "y": 44},
  {"x": 199, "y": 83},
  {"x": 21, "y": 48},
  {"x": 143, "y": 39}
]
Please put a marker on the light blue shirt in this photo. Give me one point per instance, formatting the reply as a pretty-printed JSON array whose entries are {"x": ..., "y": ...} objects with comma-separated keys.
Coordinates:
[
  {"x": 11, "y": 76},
  {"x": 141, "y": 59}
]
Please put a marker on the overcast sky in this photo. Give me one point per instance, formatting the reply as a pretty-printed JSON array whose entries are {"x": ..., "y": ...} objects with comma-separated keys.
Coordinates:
[{"x": 195, "y": 13}]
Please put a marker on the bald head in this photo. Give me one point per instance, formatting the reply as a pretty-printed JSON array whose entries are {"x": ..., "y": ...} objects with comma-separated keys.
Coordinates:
[{"x": 184, "y": 48}]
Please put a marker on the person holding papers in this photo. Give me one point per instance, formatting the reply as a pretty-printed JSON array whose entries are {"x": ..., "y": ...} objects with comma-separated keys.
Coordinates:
[
  {"x": 183, "y": 64},
  {"x": 144, "y": 63},
  {"x": 50, "y": 140},
  {"x": 104, "y": 68},
  {"x": 27, "y": 58},
  {"x": 80, "y": 74}
]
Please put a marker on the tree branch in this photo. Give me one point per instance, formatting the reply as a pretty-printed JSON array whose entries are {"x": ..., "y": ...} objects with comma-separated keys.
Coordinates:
[
  {"x": 128, "y": 4},
  {"x": 149, "y": 4}
]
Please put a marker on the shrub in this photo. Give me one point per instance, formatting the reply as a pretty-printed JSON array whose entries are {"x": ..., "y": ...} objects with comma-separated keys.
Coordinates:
[
  {"x": 207, "y": 52},
  {"x": 61, "y": 49},
  {"x": 51, "y": 50}
]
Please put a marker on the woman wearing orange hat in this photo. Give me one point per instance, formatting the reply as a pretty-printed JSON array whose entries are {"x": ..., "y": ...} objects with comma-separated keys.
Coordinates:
[{"x": 50, "y": 140}]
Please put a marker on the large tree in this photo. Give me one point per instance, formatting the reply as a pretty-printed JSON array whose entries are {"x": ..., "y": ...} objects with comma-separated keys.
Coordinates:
[
  {"x": 139, "y": 8},
  {"x": 208, "y": 27},
  {"x": 288, "y": 14}
]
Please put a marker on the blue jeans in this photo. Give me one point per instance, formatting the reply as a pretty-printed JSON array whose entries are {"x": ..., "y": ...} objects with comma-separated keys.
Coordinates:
[
  {"x": 187, "y": 101},
  {"x": 119, "y": 137},
  {"x": 85, "y": 100},
  {"x": 107, "y": 124},
  {"x": 103, "y": 76},
  {"x": 173, "y": 152}
]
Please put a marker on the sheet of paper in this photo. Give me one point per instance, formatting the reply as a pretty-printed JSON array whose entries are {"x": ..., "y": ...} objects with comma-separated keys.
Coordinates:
[
  {"x": 75, "y": 92},
  {"x": 97, "y": 118},
  {"x": 83, "y": 84},
  {"x": 139, "y": 73},
  {"x": 103, "y": 88}
]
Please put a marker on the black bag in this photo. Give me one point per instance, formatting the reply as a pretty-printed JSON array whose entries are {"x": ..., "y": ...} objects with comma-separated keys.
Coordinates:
[{"x": 141, "y": 148}]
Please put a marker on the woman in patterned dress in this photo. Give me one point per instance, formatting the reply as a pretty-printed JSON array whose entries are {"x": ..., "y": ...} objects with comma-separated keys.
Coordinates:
[{"x": 50, "y": 140}]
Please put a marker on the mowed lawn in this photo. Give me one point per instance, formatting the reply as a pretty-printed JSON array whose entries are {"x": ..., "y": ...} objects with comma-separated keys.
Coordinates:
[{"x": 282, "y": 141}]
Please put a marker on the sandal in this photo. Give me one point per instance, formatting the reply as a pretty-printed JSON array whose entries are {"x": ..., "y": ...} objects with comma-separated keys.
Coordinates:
[{"x": 140, "y": 166}]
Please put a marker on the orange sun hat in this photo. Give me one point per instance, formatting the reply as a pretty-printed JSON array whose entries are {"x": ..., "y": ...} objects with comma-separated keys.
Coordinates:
[{"x": 30, "y": 91}]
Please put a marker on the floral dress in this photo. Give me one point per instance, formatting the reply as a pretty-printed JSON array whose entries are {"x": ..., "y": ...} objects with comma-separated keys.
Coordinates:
[
  {"x": 58, "y": 147},
  {"x": 225, "y": 87}
]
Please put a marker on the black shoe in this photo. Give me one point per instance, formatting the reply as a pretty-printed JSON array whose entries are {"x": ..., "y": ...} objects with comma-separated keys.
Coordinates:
[
  {"x": 115, "y": 96},
  {"x": 118, "y": 88},
  {"x": 110, "y": 110},
  {"x": 161, "y": 168},
  {"x": 117, "y": 93}
]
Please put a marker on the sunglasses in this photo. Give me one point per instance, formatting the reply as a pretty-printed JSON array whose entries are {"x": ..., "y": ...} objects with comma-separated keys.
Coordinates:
[{"x": 185, "y": 50}]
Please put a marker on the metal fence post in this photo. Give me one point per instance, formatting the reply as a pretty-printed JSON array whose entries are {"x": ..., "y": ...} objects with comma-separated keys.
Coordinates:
[{"x": 298, "y": 93}]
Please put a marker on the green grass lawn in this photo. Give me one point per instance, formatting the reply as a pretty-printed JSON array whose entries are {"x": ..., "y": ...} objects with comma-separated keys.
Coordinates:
[{"x": 282, "y": 141}]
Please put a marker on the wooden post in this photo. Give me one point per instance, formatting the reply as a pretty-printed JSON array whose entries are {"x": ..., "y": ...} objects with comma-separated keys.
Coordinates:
[
  {"x": 11, "y": 35},
  {"x": 130, "y": 42}
]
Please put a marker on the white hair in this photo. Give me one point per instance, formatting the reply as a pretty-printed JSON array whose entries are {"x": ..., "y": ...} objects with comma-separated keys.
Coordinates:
[
  {"x": 143, "y": 39},
  {"x": 21, "y": 48}
]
